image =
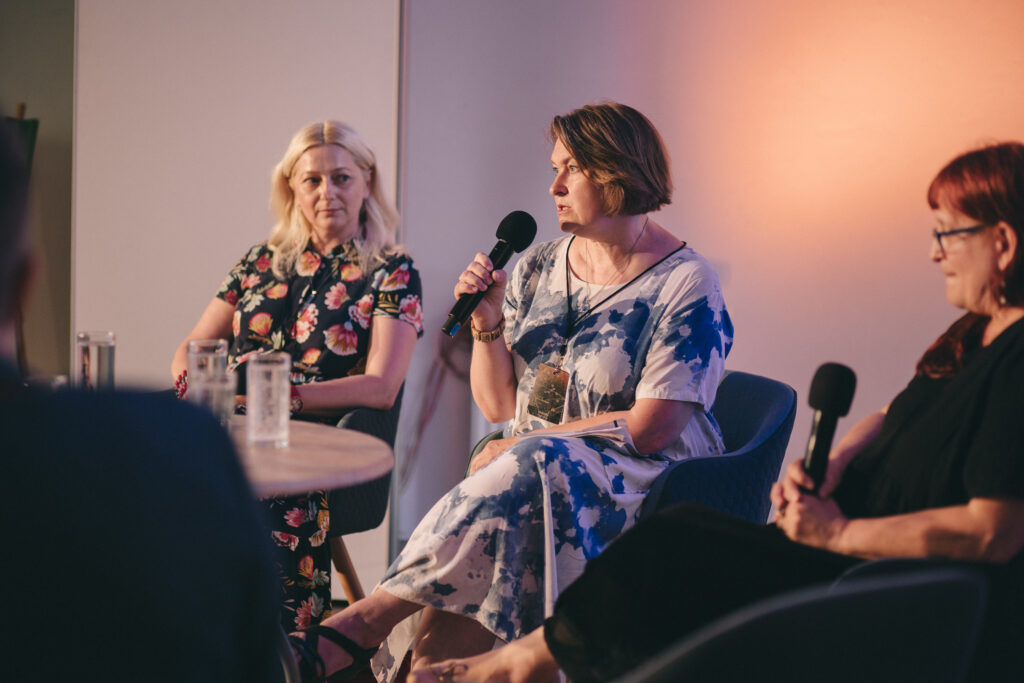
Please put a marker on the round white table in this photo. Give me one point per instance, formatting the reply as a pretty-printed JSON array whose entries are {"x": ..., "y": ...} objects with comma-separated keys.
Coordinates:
[{"x": 317, "y": 457}]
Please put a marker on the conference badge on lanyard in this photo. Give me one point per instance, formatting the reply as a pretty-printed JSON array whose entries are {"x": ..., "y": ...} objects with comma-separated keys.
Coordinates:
[{"x": 547, "y": 399}]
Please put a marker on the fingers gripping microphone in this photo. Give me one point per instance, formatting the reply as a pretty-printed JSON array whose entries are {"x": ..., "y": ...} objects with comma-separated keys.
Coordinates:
[
  {"x": 515, "y": 232},
  {"x": 831, "y": 394}
]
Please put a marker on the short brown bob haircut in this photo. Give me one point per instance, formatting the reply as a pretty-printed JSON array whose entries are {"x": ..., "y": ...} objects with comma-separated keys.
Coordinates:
[{"x": 621, "y": 152}]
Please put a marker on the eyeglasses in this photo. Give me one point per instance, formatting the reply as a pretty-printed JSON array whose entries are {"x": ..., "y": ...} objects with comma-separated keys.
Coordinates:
[{"x": 939, "y": 236}]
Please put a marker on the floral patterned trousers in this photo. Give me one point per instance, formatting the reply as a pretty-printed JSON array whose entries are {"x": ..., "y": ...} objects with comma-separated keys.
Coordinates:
[{"x": 298, "y": 527}]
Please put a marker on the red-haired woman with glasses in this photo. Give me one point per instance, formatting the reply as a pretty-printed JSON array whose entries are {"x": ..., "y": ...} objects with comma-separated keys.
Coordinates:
[{"x": 939, "y": 473}]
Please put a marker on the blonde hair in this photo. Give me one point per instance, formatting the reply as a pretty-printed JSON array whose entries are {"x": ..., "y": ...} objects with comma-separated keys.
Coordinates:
[{"x": 378, "y": 217}]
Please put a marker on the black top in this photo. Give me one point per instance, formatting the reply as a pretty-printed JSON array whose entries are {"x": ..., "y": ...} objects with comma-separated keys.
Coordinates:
[{"x": 945, "y": 441}]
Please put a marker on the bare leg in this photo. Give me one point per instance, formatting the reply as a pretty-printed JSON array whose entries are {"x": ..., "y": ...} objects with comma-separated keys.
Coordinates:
[
  {"x": 443, "y": 635},
  {"x": 367, "y": 622},
  {"x": 527, "y": 660}
]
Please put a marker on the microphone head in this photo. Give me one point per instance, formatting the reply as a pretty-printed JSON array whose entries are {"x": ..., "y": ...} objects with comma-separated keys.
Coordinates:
[
  {"x": 518, "y": 229},
  {"x": 832, "y": 389}
]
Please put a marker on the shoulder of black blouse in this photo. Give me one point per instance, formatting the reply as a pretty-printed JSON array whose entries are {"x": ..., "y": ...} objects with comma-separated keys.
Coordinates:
[
  {"x": 255, "y": 252},
  {"x": 1010, "y": 346},
  {"x": 394, "y": 258}
]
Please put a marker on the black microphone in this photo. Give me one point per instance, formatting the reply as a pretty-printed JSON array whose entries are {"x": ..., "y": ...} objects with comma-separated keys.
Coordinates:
[
  {"x": 515, "y": 232},
  {"x": 831, "y": 394}
]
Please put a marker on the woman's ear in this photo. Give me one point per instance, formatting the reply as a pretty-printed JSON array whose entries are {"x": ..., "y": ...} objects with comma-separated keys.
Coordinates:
[{"x": 1007, "y": 244}]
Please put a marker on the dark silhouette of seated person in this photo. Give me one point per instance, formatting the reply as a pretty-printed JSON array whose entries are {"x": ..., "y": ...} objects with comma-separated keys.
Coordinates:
[{"x": 133, "y": 548}]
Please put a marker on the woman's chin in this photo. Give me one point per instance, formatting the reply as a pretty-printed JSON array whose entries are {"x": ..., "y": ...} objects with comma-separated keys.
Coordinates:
[{"x": 569, "y": 227}]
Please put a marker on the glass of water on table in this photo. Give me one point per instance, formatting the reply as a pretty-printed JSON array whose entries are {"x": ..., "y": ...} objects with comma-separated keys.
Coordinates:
[
  {"x": 207, "y": 358},
  {"x": 94, "y": 361},
  {"x": 267, "y": 396},
  {"x": 209, "y": 383}
]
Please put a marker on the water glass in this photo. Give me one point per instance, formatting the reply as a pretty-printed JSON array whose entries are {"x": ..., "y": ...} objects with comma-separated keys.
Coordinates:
[
  {"x": 216, "y": 394},
  {"x": 206, "y": 358},
  {"x": 94, "y": 360},
  {"x": 267, "y": 397}
]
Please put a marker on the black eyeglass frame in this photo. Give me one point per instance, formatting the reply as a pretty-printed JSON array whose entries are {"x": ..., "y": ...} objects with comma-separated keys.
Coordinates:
[{"x": 956, "y": 231}]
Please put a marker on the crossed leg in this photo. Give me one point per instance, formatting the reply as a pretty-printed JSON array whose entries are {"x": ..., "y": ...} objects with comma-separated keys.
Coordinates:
[
  {"x": 367, "y": 623},
  {"x": 443, "y": 635}
]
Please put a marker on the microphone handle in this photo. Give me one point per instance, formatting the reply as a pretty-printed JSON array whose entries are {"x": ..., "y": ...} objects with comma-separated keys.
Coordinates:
[
  {"x": 823, "y": 429},
  {"x": 460, "y": 312}
]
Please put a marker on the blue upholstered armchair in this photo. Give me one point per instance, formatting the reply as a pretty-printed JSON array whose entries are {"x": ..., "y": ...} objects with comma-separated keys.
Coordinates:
[{"x": 756, "y": 417}]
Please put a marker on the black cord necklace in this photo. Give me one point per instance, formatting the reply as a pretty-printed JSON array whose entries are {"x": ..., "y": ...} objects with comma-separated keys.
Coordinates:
[{"x": 572, "y": 326}]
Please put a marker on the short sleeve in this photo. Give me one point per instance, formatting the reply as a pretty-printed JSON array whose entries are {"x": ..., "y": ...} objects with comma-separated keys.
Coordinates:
[
  {"x": 398, "y": 292},
  {"x": 257, "y": 259},
  {"x": 995, "y": 462},
  {"x": 686, "y": 358}
]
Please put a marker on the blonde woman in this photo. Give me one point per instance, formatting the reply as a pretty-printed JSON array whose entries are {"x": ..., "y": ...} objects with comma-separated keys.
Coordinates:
[{"x": 331, "y": 288}]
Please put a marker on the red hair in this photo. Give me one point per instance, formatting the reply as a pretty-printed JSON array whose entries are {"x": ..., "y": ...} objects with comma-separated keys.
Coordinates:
[{"x": 986, "y": 185}]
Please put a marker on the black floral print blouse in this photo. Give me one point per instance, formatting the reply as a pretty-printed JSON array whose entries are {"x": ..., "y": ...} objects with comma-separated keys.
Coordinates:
[{"x": 321, "y": 315}]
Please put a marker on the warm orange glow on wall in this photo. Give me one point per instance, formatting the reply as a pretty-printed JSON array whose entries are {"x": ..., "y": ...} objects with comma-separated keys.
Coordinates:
[{"x": 804, "y": 136}]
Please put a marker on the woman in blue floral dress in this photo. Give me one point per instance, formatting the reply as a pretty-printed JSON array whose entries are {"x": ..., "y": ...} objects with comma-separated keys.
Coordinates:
[
  {"x": 332, "y": 290},
  {"x": 603, "y": 351}
]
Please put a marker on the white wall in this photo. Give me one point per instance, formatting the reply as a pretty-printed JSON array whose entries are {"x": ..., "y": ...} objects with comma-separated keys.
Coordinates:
[{"x": 803, "y": 136}]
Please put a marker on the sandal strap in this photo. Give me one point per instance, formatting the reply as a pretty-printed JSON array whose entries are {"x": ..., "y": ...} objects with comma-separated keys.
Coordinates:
[
  {"x": 311, "y": 665},
  {"x": 360, "y": 655}
]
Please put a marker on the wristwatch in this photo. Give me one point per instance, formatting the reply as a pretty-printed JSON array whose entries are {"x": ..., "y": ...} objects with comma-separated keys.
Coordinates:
[{"x": 489, "y": 335}]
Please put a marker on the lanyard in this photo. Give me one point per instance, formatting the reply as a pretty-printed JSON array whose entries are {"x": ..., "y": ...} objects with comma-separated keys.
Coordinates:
[{"x": 572, "y": 326}]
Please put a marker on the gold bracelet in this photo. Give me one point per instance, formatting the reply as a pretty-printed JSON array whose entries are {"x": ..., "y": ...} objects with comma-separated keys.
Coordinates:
[{"x": 488, "y": 336}]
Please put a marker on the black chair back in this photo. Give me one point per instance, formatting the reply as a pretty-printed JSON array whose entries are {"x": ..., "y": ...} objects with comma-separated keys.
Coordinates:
[
  {"x": 920, "y": 626},
  {"x": 362, "y": 507}
]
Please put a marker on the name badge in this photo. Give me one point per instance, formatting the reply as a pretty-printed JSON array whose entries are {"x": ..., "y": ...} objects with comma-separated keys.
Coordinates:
[{"x": 547, "y": 399}]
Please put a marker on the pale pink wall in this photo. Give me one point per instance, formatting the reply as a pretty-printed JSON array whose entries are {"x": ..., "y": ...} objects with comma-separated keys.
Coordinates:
[{"x": 803, "y": 135}]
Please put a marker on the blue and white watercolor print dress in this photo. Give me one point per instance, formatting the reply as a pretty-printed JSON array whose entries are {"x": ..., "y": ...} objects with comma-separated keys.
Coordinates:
[{"x": 503, "y": 543}]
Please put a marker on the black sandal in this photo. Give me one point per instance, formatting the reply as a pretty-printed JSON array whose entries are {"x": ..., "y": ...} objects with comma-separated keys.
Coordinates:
[{"x": 311, "y": 665}]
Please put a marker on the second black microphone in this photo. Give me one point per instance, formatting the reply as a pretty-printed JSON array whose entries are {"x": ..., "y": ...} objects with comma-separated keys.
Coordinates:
[{"x": 831, "y": 394}]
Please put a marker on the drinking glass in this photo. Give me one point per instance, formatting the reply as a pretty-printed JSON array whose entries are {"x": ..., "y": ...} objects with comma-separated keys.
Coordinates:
[
  {"x": 267, "y": 399},
  {"x": 206, "y": 358},
  {"x": 94, "y": 360},
  {"x": 216, "y": 394}
]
